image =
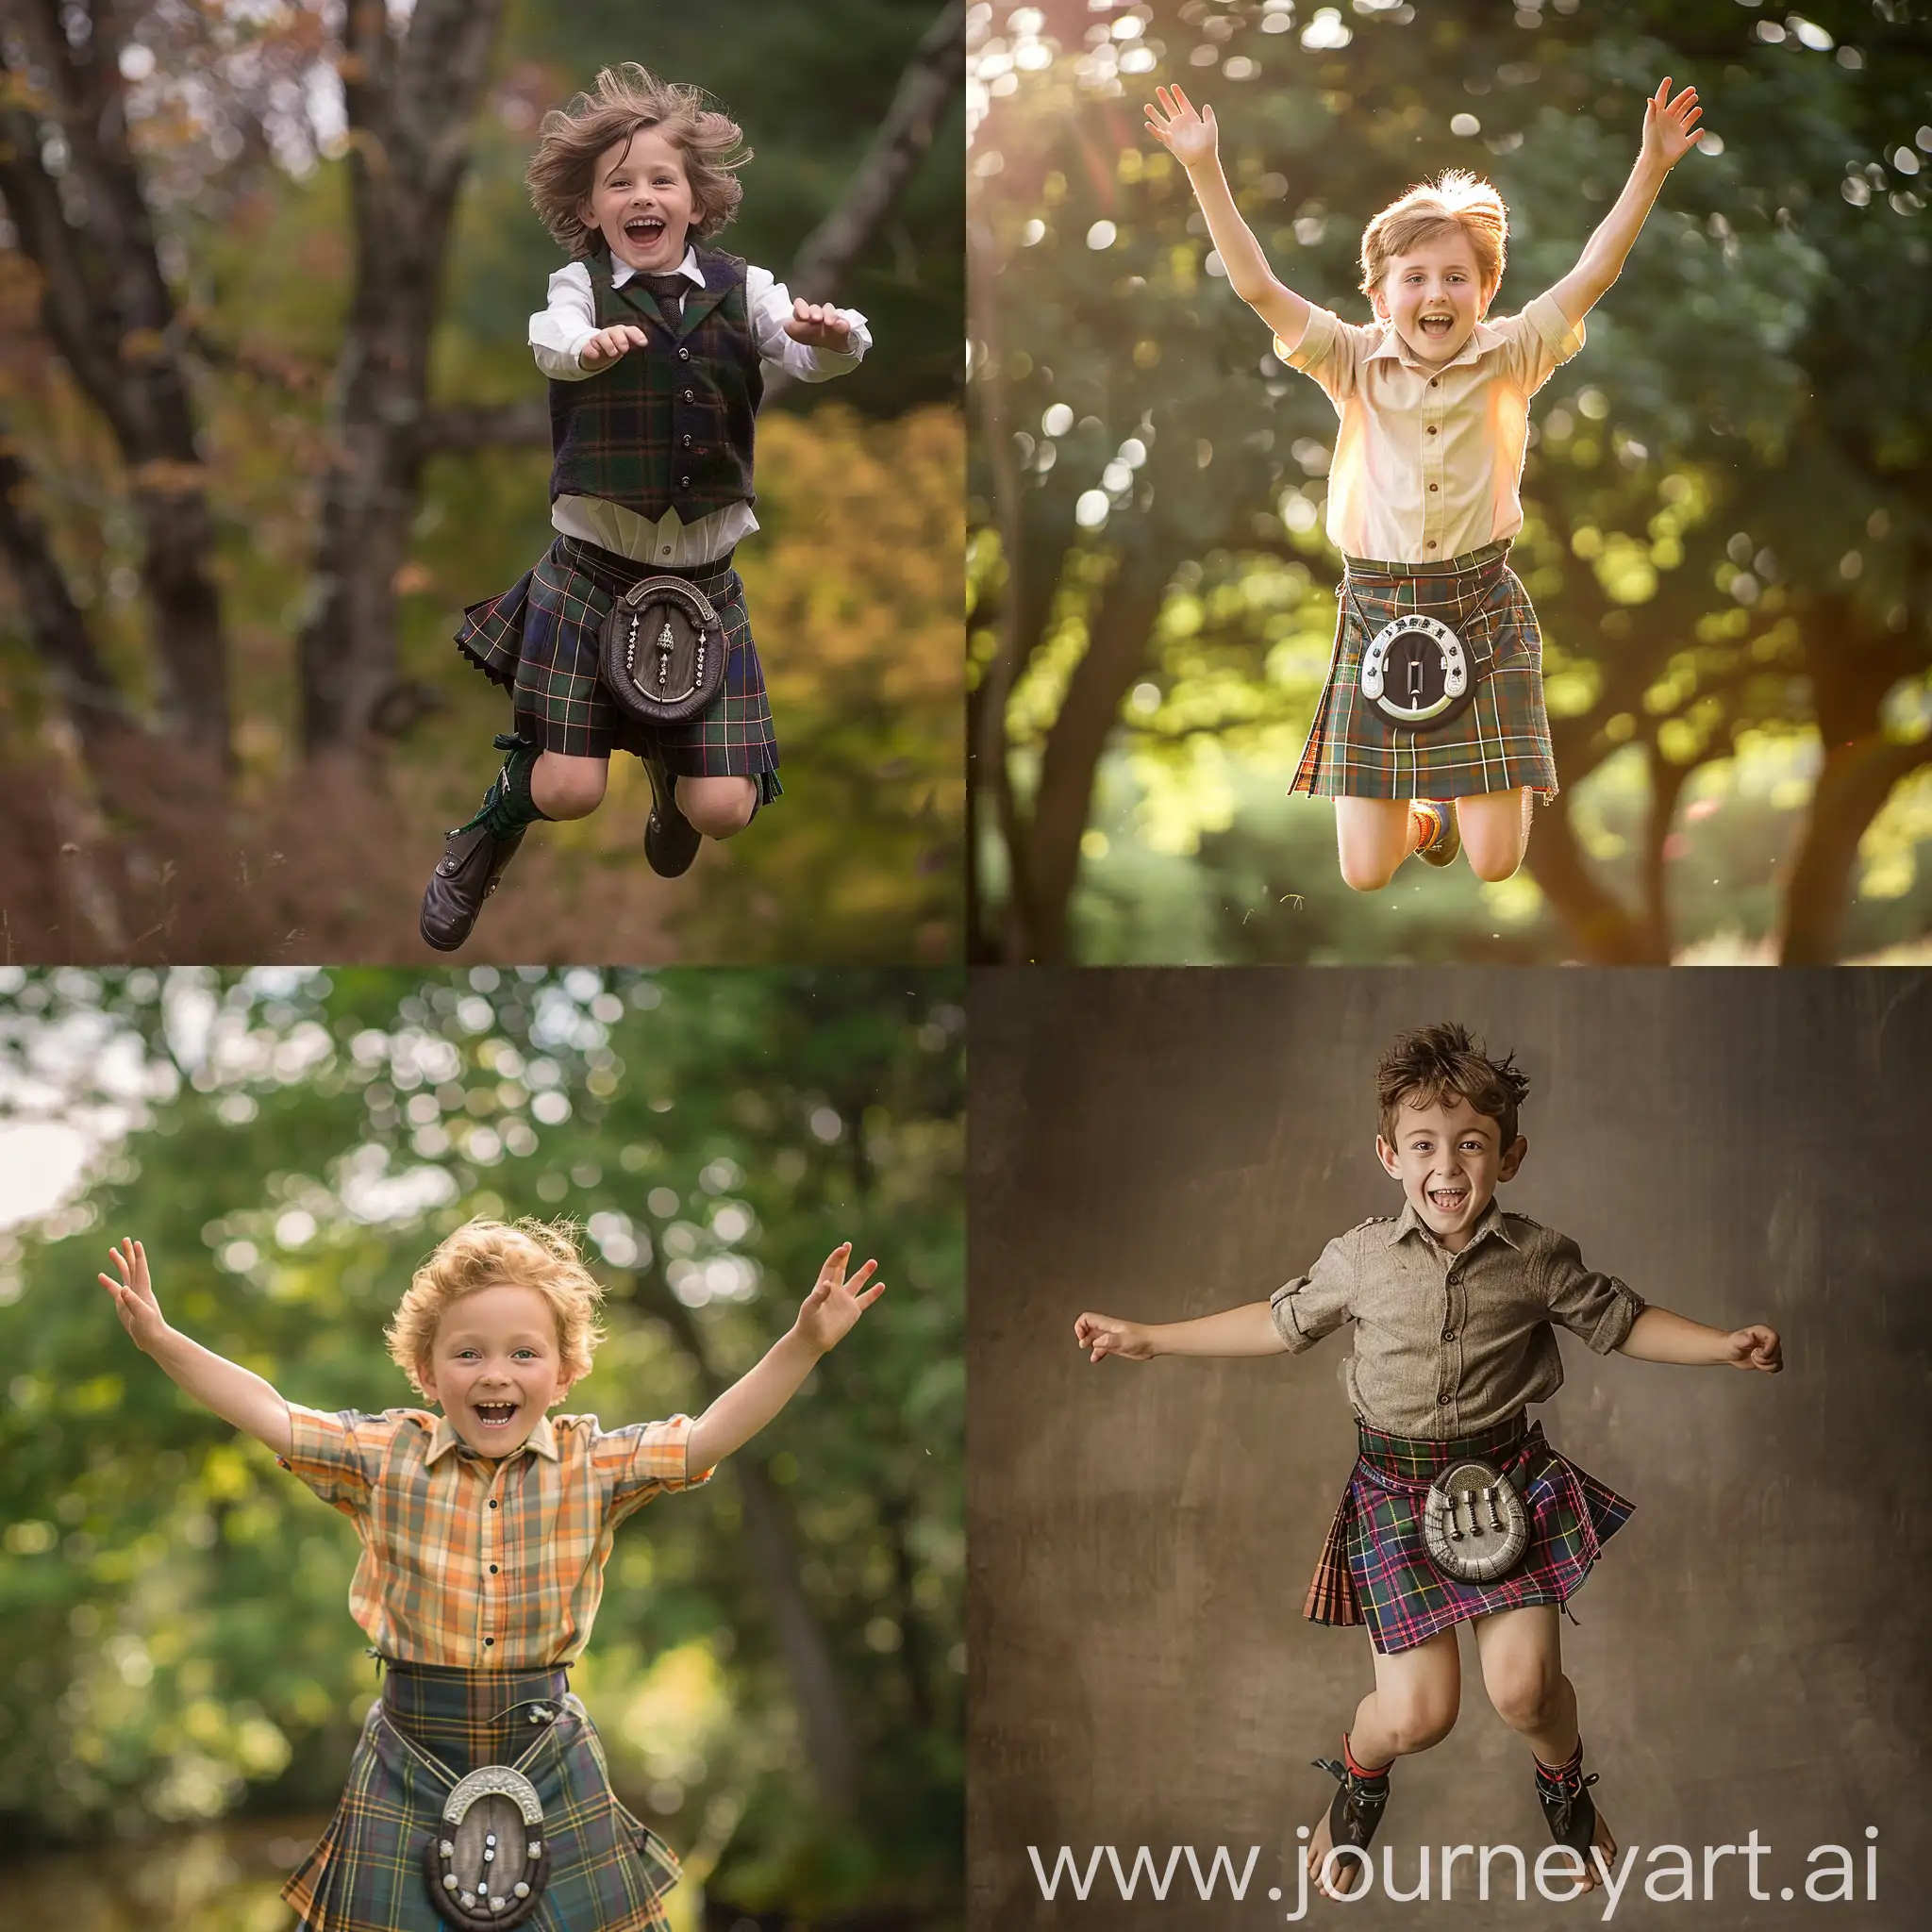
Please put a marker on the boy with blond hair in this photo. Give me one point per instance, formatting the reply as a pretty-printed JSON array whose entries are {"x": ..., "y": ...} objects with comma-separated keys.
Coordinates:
[
  {"x": 655, "y": 343},
  {"x": 478, "y": 1794},
  {"x": 1457, "y": 1510},
  {"x": 1430, "y": 733}
]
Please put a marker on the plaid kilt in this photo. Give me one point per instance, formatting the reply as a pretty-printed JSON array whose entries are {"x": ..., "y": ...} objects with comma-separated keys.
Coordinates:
[
  {"x": 607, "y": 1870},
  {"x": 539, "y": 639},
  {"x": 1501, "y": 740},
  {"x": 1373, "y": 1567}
]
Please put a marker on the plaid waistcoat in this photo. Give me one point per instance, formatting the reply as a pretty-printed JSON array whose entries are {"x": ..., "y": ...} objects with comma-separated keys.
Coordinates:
[{"x": 667, "y": 426}]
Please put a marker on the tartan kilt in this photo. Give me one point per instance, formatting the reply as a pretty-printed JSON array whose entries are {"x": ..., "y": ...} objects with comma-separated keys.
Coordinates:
[
  {"x": 1375, "y": 1570},
  {"x": 365, "y": 1874},
  {"x": 1501, "y": 740},
  {"x": 539, "y": 640}
]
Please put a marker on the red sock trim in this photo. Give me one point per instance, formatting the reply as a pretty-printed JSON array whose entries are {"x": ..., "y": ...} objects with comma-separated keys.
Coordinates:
[
  {"x": 1361, "y": 1769},
  {"x": 1570, "y": 1765}
]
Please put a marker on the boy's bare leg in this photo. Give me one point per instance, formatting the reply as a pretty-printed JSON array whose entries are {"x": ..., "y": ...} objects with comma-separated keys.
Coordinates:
[
  {"x": 1413, "y": 1705},
  {"x": 1495, "y": 828},
  {"x": 1373, "y": 836},
  {"x": 718, "y": 807},
  {"x": 562, "y": 786},
  {"x": 1522, "y": 1654}
]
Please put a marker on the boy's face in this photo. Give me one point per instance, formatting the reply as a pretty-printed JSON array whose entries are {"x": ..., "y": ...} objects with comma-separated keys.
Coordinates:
[
  {"x": 1449, "y": 1159},
  {"x": 495, "y": 1367},
  {"x": 641, "y": 201},
  {"x": 1435, "y": 296}
]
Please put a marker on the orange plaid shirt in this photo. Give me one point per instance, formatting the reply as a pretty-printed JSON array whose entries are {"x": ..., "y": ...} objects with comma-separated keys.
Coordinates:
[{"x": 479, "y": 1563}]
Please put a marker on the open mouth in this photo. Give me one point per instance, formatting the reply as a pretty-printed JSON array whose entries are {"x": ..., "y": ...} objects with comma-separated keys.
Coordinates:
[
  {"x": 1448, "y": 1200},
  {"x": 1436, "y": 326},
  {"x": 643, "y": 229},
  {"x": 495, "y": 1415}
]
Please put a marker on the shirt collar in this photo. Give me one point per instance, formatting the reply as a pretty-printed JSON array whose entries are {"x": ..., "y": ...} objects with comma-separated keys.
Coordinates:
[
  {"x": 620, "y": 271},
  {"x": 1391, "y": 348},
  {"x": 1491, "y": 1222},
  {"x": 541, "y": 1440}
]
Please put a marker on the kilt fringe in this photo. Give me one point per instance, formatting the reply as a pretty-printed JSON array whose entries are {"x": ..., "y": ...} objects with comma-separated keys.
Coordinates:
[
  {"x": 539, "y": 640},
  {"x": 1500, "y": 742},
  {"x": 1374, "y": 1570}
]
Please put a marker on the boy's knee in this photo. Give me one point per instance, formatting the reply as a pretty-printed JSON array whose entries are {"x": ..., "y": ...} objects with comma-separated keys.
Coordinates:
[
  {"x": 1524, "y": 1695},
  {"x": 567, "y": 789},
  {"x": 1416, "y": 1723},
  {"x": 1365, "y": 873},
  {"x": 1493, "y": 866},
  {"x": 721, "y": 813}
]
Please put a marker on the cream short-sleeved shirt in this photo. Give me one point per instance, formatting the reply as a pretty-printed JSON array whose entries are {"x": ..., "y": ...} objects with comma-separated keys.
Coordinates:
[{"x": 1429, "y": 461}]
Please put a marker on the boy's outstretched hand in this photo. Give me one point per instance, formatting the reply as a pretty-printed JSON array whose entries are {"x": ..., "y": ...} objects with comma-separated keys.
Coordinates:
[
  {"x": 608, "y": 344},
  {"x": 134, "y": 1296},
  {"x": 827, "y": 1313},
  {"x": 1756, "y": 1347},
  {"x": 1670, "y": 127},
  {"x": 1104, "y": 1335},
  {"x": 1189, "y": 137},
  {"x": 819, "y": 326}
]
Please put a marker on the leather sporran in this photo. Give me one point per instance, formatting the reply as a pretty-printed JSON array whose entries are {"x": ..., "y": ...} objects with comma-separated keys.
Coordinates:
[
  {"x": 663, "y": 651},
  {"x": 1418, "y": 674},
  {"x": 1474, "y": 1525},
  {"x": 487, "y": 1862}
]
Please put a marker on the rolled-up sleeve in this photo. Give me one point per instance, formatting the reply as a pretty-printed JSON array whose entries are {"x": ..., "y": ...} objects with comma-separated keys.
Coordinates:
[
  {"x": 1328, "y": 351},
  {"x": 1539, "y": 339},
  {"x": 1598, "y": 1307},
  {"x": 644, "y": 1459},
  {"x": 338, "y": 1455},
  {"x": 1315, "y": 1304}
]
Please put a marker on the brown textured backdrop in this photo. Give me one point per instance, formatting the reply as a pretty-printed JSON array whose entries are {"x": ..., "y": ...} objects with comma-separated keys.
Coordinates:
[{"x": 1737, "y": 1145}]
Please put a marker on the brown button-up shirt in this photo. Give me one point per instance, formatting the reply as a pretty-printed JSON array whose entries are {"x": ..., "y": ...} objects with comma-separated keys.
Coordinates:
[{"x": 1452, "y": 1345}]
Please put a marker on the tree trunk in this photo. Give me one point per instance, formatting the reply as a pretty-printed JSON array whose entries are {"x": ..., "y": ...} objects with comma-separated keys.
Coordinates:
[
  {"x": 1116, "y": 645},
  {"x": 106, "y": 307},
  {"x": 1667, "y": 782},
  {"x": 1601, "y": 926},
  {"x": 774, "y": 1548},
  {"x": 412, "y": 94}
]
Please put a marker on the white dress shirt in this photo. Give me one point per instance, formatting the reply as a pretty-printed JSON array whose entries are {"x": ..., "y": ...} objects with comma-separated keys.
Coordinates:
[{"x": 557, "y": 337}]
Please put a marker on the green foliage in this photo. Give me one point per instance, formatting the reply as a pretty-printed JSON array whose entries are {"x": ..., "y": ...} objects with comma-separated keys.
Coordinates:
[
  {"x": 289, "y": 1145},
  {"x": 1726, "y": 491}
]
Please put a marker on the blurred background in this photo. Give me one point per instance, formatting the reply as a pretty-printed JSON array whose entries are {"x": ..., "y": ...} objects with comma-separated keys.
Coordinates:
[
  {"x": 268, "y": 423},
  {"x": 1728, "y": 493},
  {"x": 778, "y": 1668}
]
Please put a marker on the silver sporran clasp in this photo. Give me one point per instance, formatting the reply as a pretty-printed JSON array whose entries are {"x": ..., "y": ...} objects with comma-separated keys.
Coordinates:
[
  {"x": 1417, "y": 672},
  {"x": 1474, "y": 1525}
]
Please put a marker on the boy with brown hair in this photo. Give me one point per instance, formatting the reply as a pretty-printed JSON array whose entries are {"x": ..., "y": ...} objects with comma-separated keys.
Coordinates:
[
  {"x": 1430, "y": 734},
  {"x": 655, "y": 343},
  {"x": 1457, "y": 1510},
  {"x": 478, "y": 1794}
]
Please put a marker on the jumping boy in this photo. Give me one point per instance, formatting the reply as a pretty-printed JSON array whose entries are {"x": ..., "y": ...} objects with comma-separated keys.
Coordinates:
[
  {"x": 478, "y": 1793},
  {"x": 1457, "y": 1510},
  {"x": 655, "y": 344},
  {"x": 1430, "y": 734}
]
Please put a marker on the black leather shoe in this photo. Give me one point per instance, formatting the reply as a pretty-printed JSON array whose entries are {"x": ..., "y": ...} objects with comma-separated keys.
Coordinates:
[
  {"x": 671, "y": 840},
  {"x": 471, "y": 864}
]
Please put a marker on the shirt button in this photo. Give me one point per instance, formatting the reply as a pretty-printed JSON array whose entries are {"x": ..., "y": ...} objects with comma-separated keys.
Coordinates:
[
  {"x": 1441, "y": 1402},
  {"x": 1434, "y": 380},
  {"x": 665, "y": 552},
  {"x": 492, "y": 1569},
  {"x": 1448, "y": 1335},
  {"x": 687, "y": 395},
  {"x": 493, "y": 1502},
  {"x": 683, "y": 482},
  {"x": 1432, "y": 430},
  {"x": 1429, "y": 545},
  {"x": 684, "y": 354},
  {"x": 490, "y": 1641},
  {"x": 1434, "y": 486},
  {"x": 686, "y": 441}
]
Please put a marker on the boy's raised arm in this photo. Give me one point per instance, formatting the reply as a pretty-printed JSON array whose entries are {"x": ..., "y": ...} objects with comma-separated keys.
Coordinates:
[
  {"x": 238, "y": 1396},
  {"x": 1246, "y": 1330},
  {"x": 823, "y": 1318},
  {"x": 1670, "y": 132},
  {"x": 1659, "y": 1336},
  {"x": 1191, "y": 138}
]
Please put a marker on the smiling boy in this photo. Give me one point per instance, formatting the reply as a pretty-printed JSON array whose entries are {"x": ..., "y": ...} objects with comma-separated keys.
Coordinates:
[
  {"x": 655, "y": 343},
  {"x": 1430, "y": 734},
  {"x": 1455, "y": 1304},
  {"x": 485, "y": 1532}
]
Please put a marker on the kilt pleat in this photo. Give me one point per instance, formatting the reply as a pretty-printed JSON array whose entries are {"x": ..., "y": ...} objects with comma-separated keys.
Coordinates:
[
  {"x": 1499, "y": 742},
  {"x": 539, "y": 640},
  {"x": 1375, "y": 1570},
  {"x": 365, "y": 1874}
]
